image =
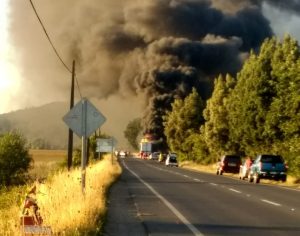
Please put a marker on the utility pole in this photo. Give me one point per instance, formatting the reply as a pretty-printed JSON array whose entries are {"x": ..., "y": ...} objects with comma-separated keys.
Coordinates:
[{"x": 70, "y": 140}]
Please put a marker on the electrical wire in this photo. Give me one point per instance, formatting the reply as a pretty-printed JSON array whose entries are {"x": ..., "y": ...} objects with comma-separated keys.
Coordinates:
[{"x": 53, "y": 47}]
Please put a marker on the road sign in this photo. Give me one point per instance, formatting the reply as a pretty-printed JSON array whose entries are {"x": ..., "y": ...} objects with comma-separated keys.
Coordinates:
[
  {"x": 84, "y": 118},
  {"x": 105, "y": 145}
]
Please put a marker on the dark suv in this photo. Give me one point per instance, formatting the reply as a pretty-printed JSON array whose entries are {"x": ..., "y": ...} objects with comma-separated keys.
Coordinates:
[
  {"x": 268, "y": 167},
  {"x": 229, "y": 164}
]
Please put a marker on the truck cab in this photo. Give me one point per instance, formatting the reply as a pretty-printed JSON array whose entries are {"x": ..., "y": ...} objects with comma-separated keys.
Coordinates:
[{"x": 268, "y": 166}]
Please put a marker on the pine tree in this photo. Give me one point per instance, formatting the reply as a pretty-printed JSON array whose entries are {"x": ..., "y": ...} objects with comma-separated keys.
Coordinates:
[
  {"x": 215, "y": 130},
  {"x": 184, "y": 120}
]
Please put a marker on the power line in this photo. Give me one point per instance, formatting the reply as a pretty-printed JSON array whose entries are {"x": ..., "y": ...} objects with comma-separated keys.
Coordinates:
[{"x": 53, "y": 47}]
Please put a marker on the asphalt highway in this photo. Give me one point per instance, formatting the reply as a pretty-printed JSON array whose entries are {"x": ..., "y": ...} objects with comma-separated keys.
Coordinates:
[{"x": 152, "y": 199}]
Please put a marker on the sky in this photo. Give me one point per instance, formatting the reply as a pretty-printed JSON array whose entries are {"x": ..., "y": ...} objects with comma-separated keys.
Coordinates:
[{"x": 10, "y": 75}]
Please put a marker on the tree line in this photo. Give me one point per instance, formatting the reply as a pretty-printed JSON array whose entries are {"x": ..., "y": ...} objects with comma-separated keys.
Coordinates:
[{"x": 257, "y": 111}]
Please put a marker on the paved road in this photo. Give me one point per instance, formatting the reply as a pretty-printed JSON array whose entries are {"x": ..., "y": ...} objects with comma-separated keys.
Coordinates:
[{"x": 151, "y": 199}]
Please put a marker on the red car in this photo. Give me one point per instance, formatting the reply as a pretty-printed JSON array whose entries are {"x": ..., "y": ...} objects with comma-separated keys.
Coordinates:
[{"x": 229, "y": 164}]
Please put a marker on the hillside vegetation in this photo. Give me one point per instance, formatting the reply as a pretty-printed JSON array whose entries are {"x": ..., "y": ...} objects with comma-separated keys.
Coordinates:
[{"x": 42, "y": 126}]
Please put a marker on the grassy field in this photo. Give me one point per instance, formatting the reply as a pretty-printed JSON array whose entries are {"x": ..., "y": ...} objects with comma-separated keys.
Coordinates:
[
  {"x": 62, "y": 204},
  {"x": 42, "y": 156},
  {"x": 45, "y": 162}
]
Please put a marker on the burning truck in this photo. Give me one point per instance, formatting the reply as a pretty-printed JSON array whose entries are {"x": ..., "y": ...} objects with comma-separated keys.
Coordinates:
[{"x": 149, "y": 145}]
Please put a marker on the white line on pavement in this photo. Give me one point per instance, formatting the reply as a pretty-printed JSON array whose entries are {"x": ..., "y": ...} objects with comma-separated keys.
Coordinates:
[
  {"x": 270, "y": 202},
  {"x": 167, "y": 203},
  {"x": 198, "y": 180},
  {"x": 234, "y": 190},
  {"x": 213, "y": 184}
]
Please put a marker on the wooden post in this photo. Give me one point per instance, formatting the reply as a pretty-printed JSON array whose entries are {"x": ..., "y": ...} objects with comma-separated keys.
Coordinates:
[{"x": 70, "y": 140}]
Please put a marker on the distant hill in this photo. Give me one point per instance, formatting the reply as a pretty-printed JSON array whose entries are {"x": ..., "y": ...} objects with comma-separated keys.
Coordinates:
[{"x": 42, "y": 126}]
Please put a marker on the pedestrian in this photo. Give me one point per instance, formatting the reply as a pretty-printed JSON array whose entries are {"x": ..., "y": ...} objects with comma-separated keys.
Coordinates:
[{"x": 248, "y": 162}]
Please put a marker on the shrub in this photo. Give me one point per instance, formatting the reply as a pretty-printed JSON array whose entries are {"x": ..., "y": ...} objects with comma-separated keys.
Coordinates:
[{"x": 14, "y": 158}]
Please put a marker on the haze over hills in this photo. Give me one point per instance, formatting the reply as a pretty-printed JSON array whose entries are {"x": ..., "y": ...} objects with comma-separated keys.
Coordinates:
[
  {"x": 39, "y": 123},
  {"x": 43, "y": 126}
]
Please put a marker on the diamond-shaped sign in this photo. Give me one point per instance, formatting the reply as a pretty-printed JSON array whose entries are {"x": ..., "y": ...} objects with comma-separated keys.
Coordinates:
[{"x": 84, "y": 118}]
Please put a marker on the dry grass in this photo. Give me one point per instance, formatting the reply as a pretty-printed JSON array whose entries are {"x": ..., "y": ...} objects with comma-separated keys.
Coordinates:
[
  {"x": 10, "y": 201},
  {"x": 205, "y": 168},
  {"x": 62, "y": 205}
]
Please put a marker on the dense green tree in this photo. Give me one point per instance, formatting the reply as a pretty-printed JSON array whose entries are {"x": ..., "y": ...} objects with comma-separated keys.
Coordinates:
[
  {"x": 197, "y": 149},
  {"x": 216, "y": 130},
  {"x": 283, "y": 120},
  {"x": 14, "y": 158},
  {"x": 250, "y": 100},
  {"x": 132, "y": 132},
  {"x": 182, "y": 121}
]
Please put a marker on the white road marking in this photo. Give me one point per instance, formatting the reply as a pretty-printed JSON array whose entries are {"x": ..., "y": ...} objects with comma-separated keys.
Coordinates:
[
  {"x": 234, "y": 190},
  {"x": 270, "y": 202},
  {"x": 213, "y": 184},
  {"x": 186, "y": 176},
  {"x": 198, "y": 180},
  {"x": 191, "y": 227}
]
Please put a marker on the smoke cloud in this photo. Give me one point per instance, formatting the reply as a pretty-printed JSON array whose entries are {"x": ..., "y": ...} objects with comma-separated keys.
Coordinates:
[{"x": 161, "y": 49}]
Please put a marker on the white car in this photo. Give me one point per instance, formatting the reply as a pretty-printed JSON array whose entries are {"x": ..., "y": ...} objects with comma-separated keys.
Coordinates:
[
  {"x": 171, "y": 160},
  {"x": 122, "y": 154}
]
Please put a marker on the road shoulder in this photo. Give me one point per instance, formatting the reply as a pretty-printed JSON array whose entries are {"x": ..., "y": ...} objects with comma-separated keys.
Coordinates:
[{"x": 122, "y": 216}]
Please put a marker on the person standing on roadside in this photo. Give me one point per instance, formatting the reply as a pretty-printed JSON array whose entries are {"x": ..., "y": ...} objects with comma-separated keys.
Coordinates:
[{"x": 248, "y": 162}]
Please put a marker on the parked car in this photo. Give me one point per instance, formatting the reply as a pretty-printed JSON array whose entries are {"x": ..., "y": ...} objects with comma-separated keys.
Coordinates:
[
  {"x": 267, "y": 166},
  {"x": 171, "y": 160},
  {"x": 154, "y": 156},
  {"x": 229, "y": 164}
]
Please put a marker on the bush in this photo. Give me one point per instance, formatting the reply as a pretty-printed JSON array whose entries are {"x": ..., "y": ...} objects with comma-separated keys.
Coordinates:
[{"x": 14, "y": 158}]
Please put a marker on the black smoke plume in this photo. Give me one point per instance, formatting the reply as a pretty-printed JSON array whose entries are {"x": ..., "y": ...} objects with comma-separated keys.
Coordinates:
[{"x": 161, "y": 49}]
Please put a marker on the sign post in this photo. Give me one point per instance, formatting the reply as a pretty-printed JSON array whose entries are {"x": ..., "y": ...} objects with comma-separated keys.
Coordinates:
[
  {"x": 112, "y": 150},
  {"x": 83, "y": 144},
  {"x": 84, "y": 119}
]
